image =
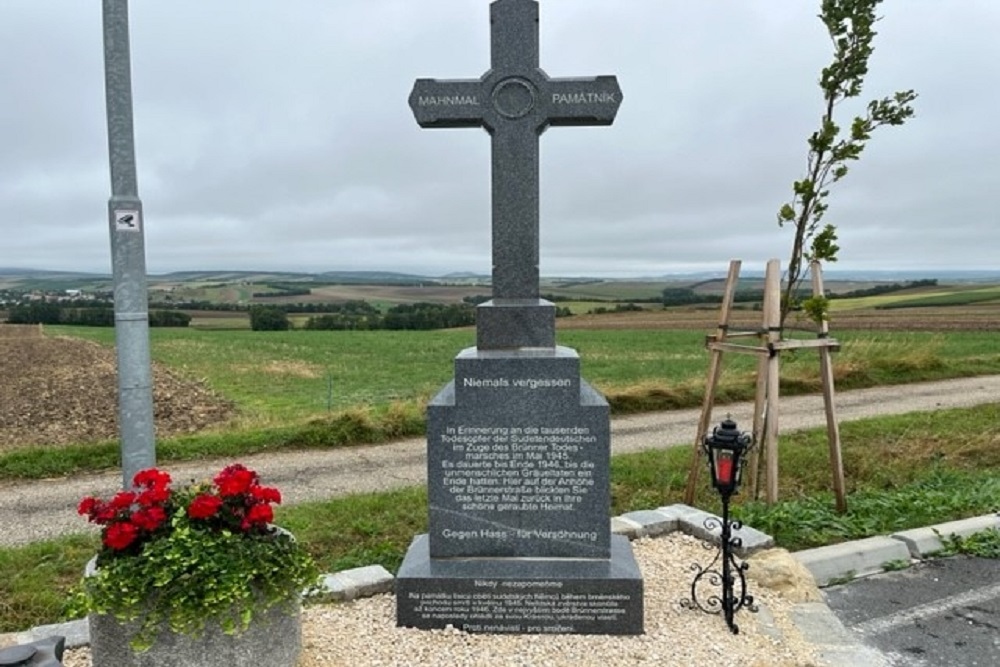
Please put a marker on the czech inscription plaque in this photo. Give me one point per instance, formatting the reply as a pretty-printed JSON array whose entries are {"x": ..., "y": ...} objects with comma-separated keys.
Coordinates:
[{"x": 544, "y": 596}]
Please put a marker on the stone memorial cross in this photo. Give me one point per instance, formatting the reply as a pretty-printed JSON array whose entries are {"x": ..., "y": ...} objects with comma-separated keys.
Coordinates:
[
  {"x": 515, "y": 101},
  {"x": 518, "y": 444}
]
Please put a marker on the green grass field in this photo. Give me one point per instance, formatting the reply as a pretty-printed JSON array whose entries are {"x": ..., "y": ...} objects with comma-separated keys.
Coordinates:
[
  {"x": 282, "y": 376},
  {"x": 945, "y": 295},
  {"x": 963, "y": 298},
  {"x": 605, "y": 290}
]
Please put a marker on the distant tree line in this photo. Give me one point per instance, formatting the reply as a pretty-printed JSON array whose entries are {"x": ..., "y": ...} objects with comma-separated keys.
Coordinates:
[
  {"x": 684, "y": 296},
  {"x": 362, "y": 316},
  {"x": 347, "y": 316},
  {"x": 268, "y": 318},
  {"x": 619, "y": 308},
  {"x": 406, "y": 316},
  {"x": 885, "y": 289},
  {"x": 246, "y": 307},
  {"x": 46, "y": 312}
]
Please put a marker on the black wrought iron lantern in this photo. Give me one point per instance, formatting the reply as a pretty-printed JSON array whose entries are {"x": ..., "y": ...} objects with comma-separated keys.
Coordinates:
[{"x": 726, "y": 451}]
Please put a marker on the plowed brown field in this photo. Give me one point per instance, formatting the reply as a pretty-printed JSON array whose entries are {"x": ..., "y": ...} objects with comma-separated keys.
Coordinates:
[{"x": 56, "y": 390}]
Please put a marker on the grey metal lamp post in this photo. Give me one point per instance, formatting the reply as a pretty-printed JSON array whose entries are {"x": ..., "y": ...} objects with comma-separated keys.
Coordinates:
[{"x": 128, "y": 256}]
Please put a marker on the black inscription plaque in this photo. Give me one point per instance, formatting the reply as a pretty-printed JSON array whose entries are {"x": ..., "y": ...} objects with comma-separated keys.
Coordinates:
[{"x": 518, "y": 460}]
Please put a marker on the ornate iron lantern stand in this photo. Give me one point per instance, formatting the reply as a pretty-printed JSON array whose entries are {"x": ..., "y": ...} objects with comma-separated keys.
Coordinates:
[{"x": 726, "y": 451}]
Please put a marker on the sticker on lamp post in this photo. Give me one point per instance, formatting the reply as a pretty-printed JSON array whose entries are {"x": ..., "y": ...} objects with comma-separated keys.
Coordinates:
[{"x": 128, "y": 220}]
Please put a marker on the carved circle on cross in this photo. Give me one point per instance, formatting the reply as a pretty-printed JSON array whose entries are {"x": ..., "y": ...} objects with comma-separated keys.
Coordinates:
[{"x": 514, "y": 97}]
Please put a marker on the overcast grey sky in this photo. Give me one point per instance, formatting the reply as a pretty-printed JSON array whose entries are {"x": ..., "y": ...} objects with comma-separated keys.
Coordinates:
[{"x": 276, "y": 135}]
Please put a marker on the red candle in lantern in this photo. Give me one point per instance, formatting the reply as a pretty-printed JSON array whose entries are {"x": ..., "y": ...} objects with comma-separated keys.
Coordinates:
[{"x": 724, "y": 468}]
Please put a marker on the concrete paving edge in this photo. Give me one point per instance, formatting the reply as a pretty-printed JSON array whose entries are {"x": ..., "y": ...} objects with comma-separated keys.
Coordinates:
[{"x": 836, "y": 645}]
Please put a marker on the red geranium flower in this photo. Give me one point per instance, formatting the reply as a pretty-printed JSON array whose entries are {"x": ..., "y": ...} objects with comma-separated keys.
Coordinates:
[
  {"x": 154, "y": 496},
  {"x": 151, "y": 477},
  {"x": 122, "y": 500},
  {"x": 260, "y": 514},
  {"x": 267, "y": 494},
  {"x": 135, "y": 516},
  {"x": 204, "y": 506},
  {"x": 234, "y": 480},
  {"x": 150, "y": 518},
  {"x": 120, "y": 535},
  {"x": 88, "y": 506},
  {"x": 104, "y": 513}
]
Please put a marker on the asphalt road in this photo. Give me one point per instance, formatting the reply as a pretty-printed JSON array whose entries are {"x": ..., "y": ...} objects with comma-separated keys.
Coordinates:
[
  {"x": 39, "y": 509},
  {"x": 938, "y": 612}
]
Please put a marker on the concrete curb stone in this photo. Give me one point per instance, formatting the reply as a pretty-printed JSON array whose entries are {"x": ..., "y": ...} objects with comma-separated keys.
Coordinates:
[
  {"x": 628, "y": 528},
  {"x": 848, "y": 560},
  {"x": 358, "y": 582},
  {"x": 923, "y": 542},
  {"x": 860, "y": 558}
]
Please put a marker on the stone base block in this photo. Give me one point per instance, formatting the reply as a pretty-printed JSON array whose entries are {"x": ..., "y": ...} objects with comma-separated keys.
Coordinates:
[
  {"x": 521, "y": 595},
  {"x": 506, "y": 324}
]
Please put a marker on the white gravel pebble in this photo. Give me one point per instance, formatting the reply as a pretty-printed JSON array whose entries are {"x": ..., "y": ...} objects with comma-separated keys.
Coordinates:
[{"x": 363, "y": 633}]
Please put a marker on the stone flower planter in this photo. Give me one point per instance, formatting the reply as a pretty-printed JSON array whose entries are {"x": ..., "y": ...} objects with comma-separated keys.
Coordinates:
[
  {"x": 274, "y": 639},
  {"x": 202, "y": 559}
]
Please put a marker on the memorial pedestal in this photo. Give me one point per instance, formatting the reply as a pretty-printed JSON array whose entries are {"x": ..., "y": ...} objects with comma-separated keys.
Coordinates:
[{"x": 519, "y": 534}]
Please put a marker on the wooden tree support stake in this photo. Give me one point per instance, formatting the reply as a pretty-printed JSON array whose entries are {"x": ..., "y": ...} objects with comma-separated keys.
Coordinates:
[
  {"x": 772, "y": 322},
  {"x": 714, "y": 371},
  {"x": 765, "y": 418},
  {"x": 826, "y": 376}
]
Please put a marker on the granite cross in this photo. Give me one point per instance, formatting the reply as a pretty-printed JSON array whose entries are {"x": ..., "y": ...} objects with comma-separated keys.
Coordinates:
[{"x": 515, "y": 101}]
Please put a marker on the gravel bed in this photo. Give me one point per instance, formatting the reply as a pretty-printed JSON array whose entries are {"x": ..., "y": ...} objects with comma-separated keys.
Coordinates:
[{"x": 363, "y": 633}]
